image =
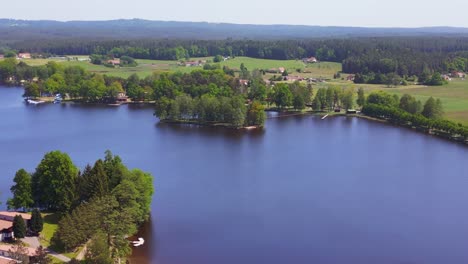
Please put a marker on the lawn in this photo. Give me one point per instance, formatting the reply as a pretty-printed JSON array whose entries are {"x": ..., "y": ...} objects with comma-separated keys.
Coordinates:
[
  {"x": 51, "y": 221},
  {"x": 454, "y": 95},
  {"x": 50, "y": 226}
]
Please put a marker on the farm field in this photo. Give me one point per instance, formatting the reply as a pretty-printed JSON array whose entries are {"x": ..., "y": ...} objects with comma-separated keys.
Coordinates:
[{"x": 147, "y": 67}]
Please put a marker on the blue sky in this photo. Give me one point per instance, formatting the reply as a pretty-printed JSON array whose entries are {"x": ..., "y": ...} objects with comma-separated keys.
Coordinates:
[{"x": 369, "y": 13}]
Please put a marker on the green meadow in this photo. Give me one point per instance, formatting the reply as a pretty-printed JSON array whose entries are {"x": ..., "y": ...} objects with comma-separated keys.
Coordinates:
[{"x": 453, "y": 95}]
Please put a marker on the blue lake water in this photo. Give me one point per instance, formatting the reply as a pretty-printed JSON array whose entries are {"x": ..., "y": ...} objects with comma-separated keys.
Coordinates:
[{"x": 304, "y": 190}]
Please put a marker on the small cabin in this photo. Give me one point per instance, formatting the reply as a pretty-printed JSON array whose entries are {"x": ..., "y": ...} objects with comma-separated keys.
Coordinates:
[{"x": 351, "y": 111}]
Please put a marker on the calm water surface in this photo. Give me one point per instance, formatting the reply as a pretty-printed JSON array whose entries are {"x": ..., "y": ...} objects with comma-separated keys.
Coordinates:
[{"x": 305, "y": 190}]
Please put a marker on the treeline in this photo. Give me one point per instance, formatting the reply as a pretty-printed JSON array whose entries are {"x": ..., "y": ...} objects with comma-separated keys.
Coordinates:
[
  {"x": 407, "y": 111},
  {"x": 404, "y": 56},
  {"x": 105, "y": 202}
]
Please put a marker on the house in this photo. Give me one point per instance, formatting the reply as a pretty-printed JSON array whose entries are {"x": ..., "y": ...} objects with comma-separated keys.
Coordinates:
[
  {"x": 6, "y": 230},
  {"x": 243, "y": 82},
  {"x": 114, "y": 62},
  {"x": 309, "y": 60},
  {"x": 6, "y": 216},
  {"x": 2, "y": 56},
  {"x": 446, "y": 77},
  {"x": 10, "y": 216},
  {"x": 457, "y": 74},
  {"x": 5, "y": 251},
  {"x": 192, "y": 63},
  {"x": 4, "y": 260},
  {"x": 350, "y": 77},
  {"x": 293, "y": 78},
  {"x": 122, "y": 97},
  {"x": 281, "y": 69},
  {"x": 24, "y": 55}
]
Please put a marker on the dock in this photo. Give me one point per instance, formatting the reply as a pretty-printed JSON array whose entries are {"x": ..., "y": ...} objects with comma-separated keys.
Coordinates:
[{"x": 325, "y": 116}]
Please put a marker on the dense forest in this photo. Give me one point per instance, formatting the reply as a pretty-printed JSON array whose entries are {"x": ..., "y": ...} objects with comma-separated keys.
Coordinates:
[
  {"x": 13, "y": 30},
  {"x": 101, "y": 205},
  {"x": 375, "y": 60}
]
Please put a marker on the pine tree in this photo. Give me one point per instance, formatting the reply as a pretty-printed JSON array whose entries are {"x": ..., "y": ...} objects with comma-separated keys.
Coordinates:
[
  {"x": 37, "y": 222},
  {"x": 19, "y": 227}
]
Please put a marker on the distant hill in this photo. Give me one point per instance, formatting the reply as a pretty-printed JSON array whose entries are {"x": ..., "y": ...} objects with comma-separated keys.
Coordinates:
[{"x": 14, "y": 30}]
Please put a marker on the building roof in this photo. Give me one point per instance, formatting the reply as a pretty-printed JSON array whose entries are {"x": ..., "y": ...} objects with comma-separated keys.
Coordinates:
[
  {"x": 29, "y": 250},
  {"x": 4, "y": 260},
  {"x": 5, "y": 224},
  {"x": 13, "y": 214}
]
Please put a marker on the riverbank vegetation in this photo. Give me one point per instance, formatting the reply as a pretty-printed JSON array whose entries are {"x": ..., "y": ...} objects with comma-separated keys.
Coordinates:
[
  {"x": 104, "y": 203},
  {"x": 409, "y": 112}
]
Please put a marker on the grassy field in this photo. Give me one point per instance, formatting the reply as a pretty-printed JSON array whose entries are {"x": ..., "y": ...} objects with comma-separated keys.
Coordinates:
[
  {"x": 147, "y": 67},
  {"x": 454, "y": 95}
]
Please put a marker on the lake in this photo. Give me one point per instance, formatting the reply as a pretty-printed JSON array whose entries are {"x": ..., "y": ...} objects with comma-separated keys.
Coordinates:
[{"x": 304, "y": 190}]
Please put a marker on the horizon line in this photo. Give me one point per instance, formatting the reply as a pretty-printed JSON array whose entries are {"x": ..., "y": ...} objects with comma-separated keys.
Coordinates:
[{"x": 234, "y": 23}]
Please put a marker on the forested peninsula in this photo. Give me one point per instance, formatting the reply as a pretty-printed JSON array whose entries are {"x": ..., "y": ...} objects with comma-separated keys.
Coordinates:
[{"x": 99, "y": 206}]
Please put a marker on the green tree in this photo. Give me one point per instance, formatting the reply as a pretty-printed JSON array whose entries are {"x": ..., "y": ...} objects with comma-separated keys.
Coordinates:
[
  {"x": 316, "y": 104},
  {"x": 22, "y": 192},
  {"x": 218, "y": 58},
  {"x": 98, "y": 250},
  {"x": 113, "y": 90},
  {"x": 32, "y": 90},
  {"x": 36, "y": 222},
  {"x": 19, "y": 227},
  {"x": 256, "y": 114},
  {"x": 433, "y": 108},
  {"x": 410, "y": 104},
  {"x": 361, "y": 100},
  {"x": 53, "y": 182},
  {"x": 283, "y": 96},
  {"x": 347, "y": 99},
  {"x": 299, "y": 103},
  {"x": 436, "y": 79}
]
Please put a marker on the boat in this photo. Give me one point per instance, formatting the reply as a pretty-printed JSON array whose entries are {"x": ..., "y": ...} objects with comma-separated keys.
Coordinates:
[
  {"x": 58, "y": 99},
  {"x": 34, "y": 102},
  {"x": 139, "y": 242}
]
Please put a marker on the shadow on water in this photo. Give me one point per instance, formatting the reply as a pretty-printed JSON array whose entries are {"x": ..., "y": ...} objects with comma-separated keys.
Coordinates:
[{"x": 208, "y": 131}]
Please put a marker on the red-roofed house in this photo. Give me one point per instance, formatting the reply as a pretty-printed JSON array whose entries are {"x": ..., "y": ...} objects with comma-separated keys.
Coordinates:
[
  {"x": 2, "y": 56},
  {"x": 24, "y": 55},
  {"x": 243, "y": 82},
  {"x": 293, "y": 78},
  {"x": 114, "y": 62},
  {"x": 10, "y": 216},
  {"x": 4, "y": 260},
  {"x": 5, "y": 251},
  {"x": 310, "y": 60},
  {"x": 6, "y": 223},
  {"x": 6, "y": 230}
]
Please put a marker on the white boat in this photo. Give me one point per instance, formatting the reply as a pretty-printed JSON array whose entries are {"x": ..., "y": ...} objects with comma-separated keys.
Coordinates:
[
  {"x": 138, "y": 243},
  {"x": 30, "y": 101}
]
